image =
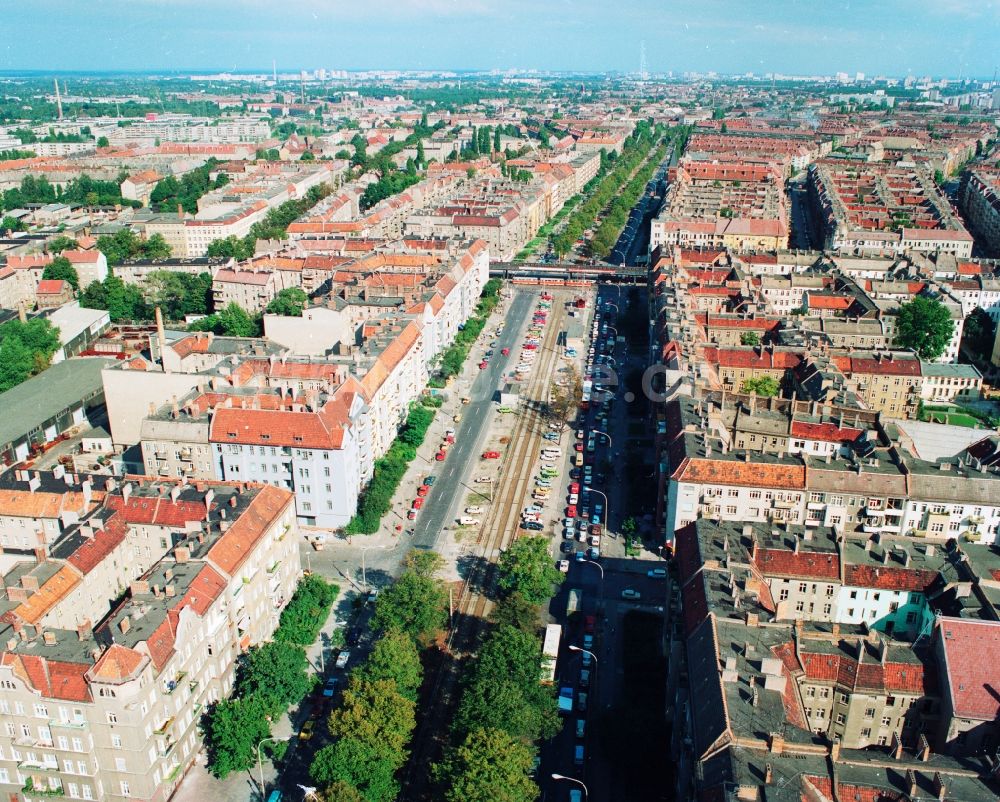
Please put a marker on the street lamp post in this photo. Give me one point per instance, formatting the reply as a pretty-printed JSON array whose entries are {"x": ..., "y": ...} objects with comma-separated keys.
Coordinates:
[
  {"x": 575, "y": 648},
  {"x": 260, "y": 767},
  {"x": 572, "y": 780}
]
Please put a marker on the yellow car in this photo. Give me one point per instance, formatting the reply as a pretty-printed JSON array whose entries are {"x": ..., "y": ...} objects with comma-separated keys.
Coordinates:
[{"x": 307, "y": 730}]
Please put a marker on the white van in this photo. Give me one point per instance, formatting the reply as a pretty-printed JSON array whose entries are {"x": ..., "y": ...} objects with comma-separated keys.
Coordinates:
[
  {"x": 467, "y": 521},
  {"x": 551, "y": 451}
]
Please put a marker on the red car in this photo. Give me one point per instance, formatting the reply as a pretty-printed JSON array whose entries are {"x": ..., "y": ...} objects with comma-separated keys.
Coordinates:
[
  {"x": 418, "y": 503},
  {"x": 440, "y": 456},
  {"x": 491, "y": 455},
  {"x": 411, "y": 515},
  {"x": 482, "y": 365},
  {"x": 578, "y": 446},
  {"x": 423, "y": 490},
  {"x": 505, "y": 351},
  {"x": 571, "y": 511},
  {"x": 574, "y": 487},
  {"x": 530, "y": 347},
  {"x": 589, "y": 622}
]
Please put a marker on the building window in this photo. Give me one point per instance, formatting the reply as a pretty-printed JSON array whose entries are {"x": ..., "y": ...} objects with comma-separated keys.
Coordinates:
[
  {"x": 870, "y": 712},
  {"x": 783, "y": 594},
  {"x": 124, "y": 787},
  {"x": 866, "y": 732},
  {"x": 112, "y": 718},
  {"x": 886, "y": 721},
  {"x": 802, "y": 587}
]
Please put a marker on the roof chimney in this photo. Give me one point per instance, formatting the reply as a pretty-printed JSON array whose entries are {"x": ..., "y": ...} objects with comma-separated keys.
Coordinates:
[
  {"x": 125, "y": 625},
  {"x": 83, "y": 629}
]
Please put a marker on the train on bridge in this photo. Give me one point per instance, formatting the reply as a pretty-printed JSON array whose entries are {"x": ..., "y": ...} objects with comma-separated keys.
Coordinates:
[{"x": 560, "y": 274}]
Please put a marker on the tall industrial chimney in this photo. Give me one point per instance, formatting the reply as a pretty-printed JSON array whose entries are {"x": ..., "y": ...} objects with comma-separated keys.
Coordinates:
[{"x": 58, "y": 101}]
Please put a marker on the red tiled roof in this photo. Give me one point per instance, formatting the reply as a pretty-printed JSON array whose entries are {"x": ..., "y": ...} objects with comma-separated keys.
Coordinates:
[
  {"x": 732, "y": 472},
  {"x": 52, "y": 286},
  {"x": 230, "y": 550},
  {"x": 161, "y": 510},
  {"x": 972, "y": 653},
  {"x": 888, "y": 577},
  {"x": 850, "y": 673},
  {"x": 828, "y": 432},
  {"x": 94, "y": 549},
  {"x": 53, "y": 679},
  {"x": 784, "y": 562},
  {"x": 118, "y": 663}
]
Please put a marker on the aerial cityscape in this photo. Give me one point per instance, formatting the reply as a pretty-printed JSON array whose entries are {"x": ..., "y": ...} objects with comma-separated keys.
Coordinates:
[{"x": 500, "y": 402}]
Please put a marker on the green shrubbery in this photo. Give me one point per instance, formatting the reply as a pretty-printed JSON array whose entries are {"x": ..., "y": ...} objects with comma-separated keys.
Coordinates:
[
  {"x": 270, "y": 678},
  {"x": 376, "y": 499},
  {"x": 375, "y": 723}
]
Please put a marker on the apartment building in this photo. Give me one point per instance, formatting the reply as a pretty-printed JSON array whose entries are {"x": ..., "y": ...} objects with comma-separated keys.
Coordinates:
[
  {"x": 735, "y": 205},
  {"x": 760, "y": 699},
  {"x": 979, "y": 197},
  {"x": 884, "y": 207},
  {"x": 105, "y": 705}
]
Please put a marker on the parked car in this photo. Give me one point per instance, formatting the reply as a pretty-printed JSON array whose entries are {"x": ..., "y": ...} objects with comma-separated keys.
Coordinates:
[
  {"x": 571, "y": 511},
  {"x": 563, "y": 565},
  {"x": 439, "y": 457},
  {"x": 505, "y": 351},
  {"x": 534, "y": 526},
  {"x": 631, "y": 595},
  {"x": 473, "y": 510},
  {"x": 307, "y": 730},
  {"x": 585, "y": 678},
  {"x": 567, "y": 547},
  {"x": 411, "y": 514},
  {"x": 342, "y": 658},
  {"x": 422, "y": 491},
  {"x": 491, "y": 455},
  {"x": 418, "y": 502},
  {"x": 589, "y": 623},
  {"x": 467, "y": 521},
  {"x": 581, "y": 703},
  {"x": 657, "y": 573},
  {"x": 581, "y": 727},
  {"x": 588, "y": 640},
  {"x": 330, "y": 687}
]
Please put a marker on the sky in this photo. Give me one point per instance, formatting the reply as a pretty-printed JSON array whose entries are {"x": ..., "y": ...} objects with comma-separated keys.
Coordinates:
[{"x": 954, "y": 38}]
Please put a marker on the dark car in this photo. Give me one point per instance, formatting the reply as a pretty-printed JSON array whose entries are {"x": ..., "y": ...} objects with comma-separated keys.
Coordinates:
[
  {"x": 567, "y": 547},
  {"x": 532, "y": 525}
]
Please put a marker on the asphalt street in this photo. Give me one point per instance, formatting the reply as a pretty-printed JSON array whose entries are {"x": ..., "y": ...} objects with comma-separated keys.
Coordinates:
[{"x": 450, "y": 488}]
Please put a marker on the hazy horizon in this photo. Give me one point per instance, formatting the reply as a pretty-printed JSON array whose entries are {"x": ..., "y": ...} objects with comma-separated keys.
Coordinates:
[{"x": 947, "y": 38}]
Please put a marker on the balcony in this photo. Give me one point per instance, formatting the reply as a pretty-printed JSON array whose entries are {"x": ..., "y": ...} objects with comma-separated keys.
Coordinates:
[
  {"x": 162, "y": 729},
  {"x": 975, "y": 519},
  {"x": 29, "y": 789},
  {"x": 813, "y": 522},
  {"x": 70, "y": 725},
  {"x": 173, "y": 684},
  {"x": 815, "y": 505}
]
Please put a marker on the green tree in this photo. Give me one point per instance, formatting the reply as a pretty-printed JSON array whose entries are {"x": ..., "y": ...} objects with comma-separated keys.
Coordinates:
[
  {"x": 527, "y": 568},
  {"x": 496, "y": 140},
  {"x": 395, "y": 657},
  {"x": 179, "y": 294},
  {"x": 102, "y": 142},
  {"x": 416, "y": 605},
  {"x": 424, "y": 563},
  {"x": 925, "y": 325},
  {"x": 340, "y": 791},
  {"x": 765, "y": 386},
  {"x": 61, "y": 269},
  {"x": 235, "y": 728},
  {"x": 504, "y": 689},
  {"x": 628, "y": 526},
  {"x": 308, "y": 156},
  {"x": 231, "y": 247},
  {"x": 276, "y": 674},
  {"x": 377, "y": 714},
  {"x": 16, "y": 363},
  {"x": 306, "y": 611},
  {"x": 359, "y": 765},
  {"x": 289, "y": 302},
  {"x": 122, "y": 301},
  {"x": 488, "y": 766},
  {"x": 516, "y": 611},
  {"x": 59, "y": 244},
  {"x": 421, "y": 158},
  {"x": 749, "y": 338},
  {"x": 10, "y": 224}
]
